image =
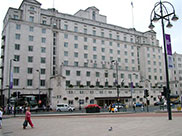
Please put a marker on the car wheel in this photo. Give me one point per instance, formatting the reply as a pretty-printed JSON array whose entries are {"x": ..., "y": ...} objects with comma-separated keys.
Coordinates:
[
  {"x": 59, "y": 110},
  {"x": 70, "y": 110}
]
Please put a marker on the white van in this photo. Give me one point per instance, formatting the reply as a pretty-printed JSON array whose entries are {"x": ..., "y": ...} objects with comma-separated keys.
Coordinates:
[{"x": 64, "y": 107}]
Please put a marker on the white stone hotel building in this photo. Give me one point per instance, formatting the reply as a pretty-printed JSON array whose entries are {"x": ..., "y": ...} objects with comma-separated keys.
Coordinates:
[{"x": 76, "y": 59}]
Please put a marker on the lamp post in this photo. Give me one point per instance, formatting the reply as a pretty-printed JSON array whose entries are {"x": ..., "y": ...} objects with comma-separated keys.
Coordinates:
[
  {"x": 131, "y": 85},
  {"x": 160, "y": 11},
  {"x": 39, "y": 85},
  {"x": 117, "y": 87},
  {"x": 10, "y": 82}
]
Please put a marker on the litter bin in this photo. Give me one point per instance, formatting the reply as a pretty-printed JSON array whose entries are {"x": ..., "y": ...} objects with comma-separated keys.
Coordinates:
[{"x": 179, "y": 107}]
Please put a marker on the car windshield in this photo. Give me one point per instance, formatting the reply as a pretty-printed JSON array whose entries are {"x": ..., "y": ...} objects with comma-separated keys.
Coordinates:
[{"x": 60, "y": 105}]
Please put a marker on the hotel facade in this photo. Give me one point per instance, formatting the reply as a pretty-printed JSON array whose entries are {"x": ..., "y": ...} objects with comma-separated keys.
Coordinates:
[{"x": 78, "y": 59}]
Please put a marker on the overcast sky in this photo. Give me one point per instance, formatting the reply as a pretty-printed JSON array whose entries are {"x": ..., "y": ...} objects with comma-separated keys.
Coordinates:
[{"x": 118, "y": 12}]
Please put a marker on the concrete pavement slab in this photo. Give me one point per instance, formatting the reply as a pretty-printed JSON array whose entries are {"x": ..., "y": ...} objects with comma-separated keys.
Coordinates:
[{"x": 95, "y": 126}]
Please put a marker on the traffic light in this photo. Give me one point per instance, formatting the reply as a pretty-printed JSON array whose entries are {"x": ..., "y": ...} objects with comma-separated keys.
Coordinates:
[
  {"x": 164, "y": 93},
  {"x": 146, "y": 93}
]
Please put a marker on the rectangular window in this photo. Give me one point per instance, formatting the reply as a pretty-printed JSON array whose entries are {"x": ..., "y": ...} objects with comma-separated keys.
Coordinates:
[
  {"x": 16, "y": 82},
  {"x": 103, "y": 42},
  {"x": 78, "y": 83},
  {"x": 65, "y": 53},
  {"x": 94, "y": 48},
  {"x": 43, "y": 40},
  {"x": 122, "y": 75},
  {"x": 106, "y": 74},
  {"x": 88, "y": 83},
  {"x": 67, "y": 83},
  {"x": 31, "y": 28},
  {"x": 17, "y": 46},
  {"x": 66, "y": 63},
  {"x": 30, "y": 48},
  {"x": 16, "y": 70},
  {"x": 65, "y": 44},
  {"x": 65, "y": 36},
  {"x": 97, "y": 74},
  {"x": 42, "y": 60},
  {"x": 31, "y": 19},
  {"x": 76, "y": 64},
  {"x": 85, "y": 56},
  {"x": 29, "y": 70},
  {"x": 110, "y": 35},
  {"x": 67, "y": 72},
  {"x": 76, "y": 46},
  {"x": 42, "y": 83},
  {"x": 42, "y": 71},
  {"x": 94, "y": 32},
  {"x": 76, "y": 54},
  {"x": 85, "y": 47},
  {"x": 88, "y": 73},
  {"x": 43, "y": 30},
  {"x": 111, "y": 51},
  {"x": 43, "y": 50},
  {"x": 95, "y": 57},
  {"x": 103, "y": 49},
  {"x": 102, "y": 34},
  {"x": 85, "y": 39},
  {"x": 103, "y": 57},
  {"x": 85, "y": 64},
  {"x": 75, "y": 29},
  {"x": 15, "y": 16},
  {"x": 30, "y": 38},
  {"x": 18, "y": 26},
  {"x": 65, "y": 27},
  {"x": 17, "y": 57},
  {"x": 44, "y": 22},
  {"x": 76, "y": 37},
  {"x": 30, "y": 59},
  {"x": 17, "y": 36},
  {"x": 78, "y": 73},
  {"x": 85, "y": 30},
  {"x": 29, "y": 82},
  {"x": 110, "y": 43}
]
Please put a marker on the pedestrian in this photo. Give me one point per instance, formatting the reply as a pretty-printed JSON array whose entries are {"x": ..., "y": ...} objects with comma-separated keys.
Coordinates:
[
  {"x": 1, "y": 116},
  {"x": 110, "y": 107},
  {"x": 134, "y": 105},
  {"x": 28, "y": 118}
]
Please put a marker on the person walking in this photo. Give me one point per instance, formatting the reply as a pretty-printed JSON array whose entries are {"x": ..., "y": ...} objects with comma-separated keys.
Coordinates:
[
  {"x": 1, "y": 115},
  {"x": 28, "y": 118}
]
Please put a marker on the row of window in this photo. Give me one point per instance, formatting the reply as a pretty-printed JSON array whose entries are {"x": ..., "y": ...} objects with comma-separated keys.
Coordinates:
[
  {"x": 16, "y": 69},
  {"x": 30, "y": 59},
  {"x": 98, "y": 74},
  {"x": 30, "y": 48},
  {"x": 97, "y": 83},
  {"x": 31, "y": 28},
  {"x": 30, "y": 38},
  {"x": 29, "y": 83},
  {"x": 95, "y": 65}
]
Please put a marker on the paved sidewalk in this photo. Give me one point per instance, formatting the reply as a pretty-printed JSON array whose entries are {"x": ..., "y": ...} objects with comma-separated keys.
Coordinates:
[{"x": 95, "y": 125}]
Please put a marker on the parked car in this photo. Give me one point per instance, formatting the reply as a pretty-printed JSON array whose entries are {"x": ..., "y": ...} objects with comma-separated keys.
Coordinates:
[
  {"x": 138, "y": 104},
  {"x": 158, "y": 103},
  {"x": 120, "y": 105},
  {"x": 64, "y": 107}
]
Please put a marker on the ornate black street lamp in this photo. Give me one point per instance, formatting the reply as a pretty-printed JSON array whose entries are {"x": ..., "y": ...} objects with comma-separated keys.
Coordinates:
[{"x": 161, "y": 11}]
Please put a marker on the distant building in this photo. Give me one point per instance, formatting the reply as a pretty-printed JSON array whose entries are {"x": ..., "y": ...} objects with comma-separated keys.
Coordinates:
[
  {"x": 76, "y": 57},
  {"x": 176, "y": 74}
]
